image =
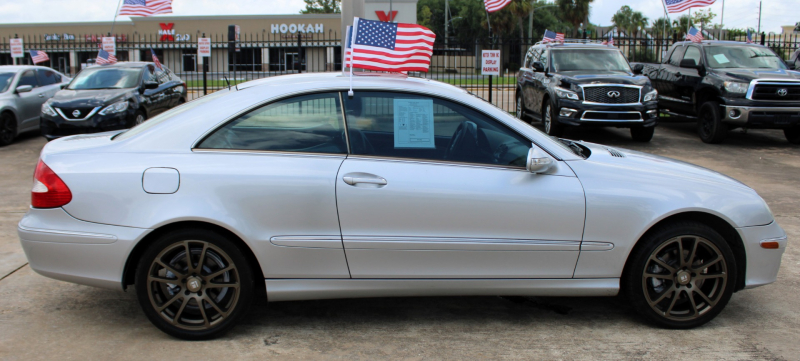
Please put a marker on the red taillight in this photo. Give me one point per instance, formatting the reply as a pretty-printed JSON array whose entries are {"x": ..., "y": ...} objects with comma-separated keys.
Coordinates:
[{"x": 49, "y": 191}]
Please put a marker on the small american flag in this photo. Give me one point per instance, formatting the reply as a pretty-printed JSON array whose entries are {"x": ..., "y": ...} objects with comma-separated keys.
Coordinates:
[
  {"x": 610, "y": 41},
  {"x": 749, "y": 37},
  {"x": 145, "y": 7},
  {"x": 676, "y": 6},
  {"x": 39, "y": 56},
  {"x": 550, "y": 36},
  {"x": 396, "y": 47},
  {"x": 494, "y": 5},
  {"x": 155, "y": 59},
  {"x": 694, "y": 35},
  {"x": 103, "y": 58}
]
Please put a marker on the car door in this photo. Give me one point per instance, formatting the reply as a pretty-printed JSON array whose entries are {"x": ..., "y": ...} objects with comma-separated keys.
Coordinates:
[
  {"x": 687, "y": 81},
  {"x": 539, "y": 84},
  {"x": 153, "y": 98},
  {"x": 48, "y": 84},
  {"x": 275, "y": 167},
  {"x": 436, "y": 189},
  {"x": 168, "y": 88},
  {"x": 669, "y": 98},
  {"x": 526, "y": 80},
  {"x": 29, "y": 104}
]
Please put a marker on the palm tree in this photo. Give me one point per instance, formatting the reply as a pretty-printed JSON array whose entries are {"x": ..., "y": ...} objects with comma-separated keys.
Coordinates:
[
  {"x": 682, "y": 25},
  {"x": 638, "y": 22},
  {"x": 574, "y": 12},
  {"x": 521, "y": 10},
  {"x": 628, "y": 20},
  {"x": 662, "y": 27}
]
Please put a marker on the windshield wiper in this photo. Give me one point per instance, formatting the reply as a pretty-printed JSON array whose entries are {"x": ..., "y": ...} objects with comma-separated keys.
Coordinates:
[{"x": 574, "y": 146}]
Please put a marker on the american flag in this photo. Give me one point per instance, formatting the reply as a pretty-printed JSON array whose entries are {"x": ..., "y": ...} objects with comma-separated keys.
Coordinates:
[
  {"x": 550, "y": 36},
  {"x": 397, "y": 47},
  {"x": 39, "y": 56},
  {"x": 348, "y": 47},
  {"x": 155, "y": 59},
  {"x": 610, "y": 41},
  {"x": 676, "y": 6},
  {"x": 494, "y": 5},
  {"x": 749, "y": 37},
  {"x": 103, "y": 58},
  {"x": 145, "y": 7},
  {"x": 694, "y": 35}
]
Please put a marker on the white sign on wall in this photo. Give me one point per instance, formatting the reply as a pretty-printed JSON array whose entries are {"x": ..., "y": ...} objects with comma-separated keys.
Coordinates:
[
  {"x": 16, "y": 48},
  {"x": 110, "y": 45},
  {"x": 204, "y": 47},
  {"x": 490, "y": 62},
  {"x": 297, "y": 28}
]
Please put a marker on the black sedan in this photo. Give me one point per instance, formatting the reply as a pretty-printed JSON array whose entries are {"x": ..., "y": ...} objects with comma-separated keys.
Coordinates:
[{"x": 111, "y": 97}]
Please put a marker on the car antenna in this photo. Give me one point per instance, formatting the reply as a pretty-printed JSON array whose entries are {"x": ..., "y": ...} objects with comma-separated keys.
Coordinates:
[{"x": 229, "y": 83}]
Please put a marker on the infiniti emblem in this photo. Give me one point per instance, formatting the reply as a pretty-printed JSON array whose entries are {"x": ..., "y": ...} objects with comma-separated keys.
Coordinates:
[
  {"x": 76, "y": 113},
  {"x": 613, "y": 94},
  {"x": 782, "y": 92}
]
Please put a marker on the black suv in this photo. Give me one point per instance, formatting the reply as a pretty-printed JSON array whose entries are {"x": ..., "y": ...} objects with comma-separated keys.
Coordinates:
[
  {"x": 111, "y": 97},
  {"x": 584, "y": 84}
]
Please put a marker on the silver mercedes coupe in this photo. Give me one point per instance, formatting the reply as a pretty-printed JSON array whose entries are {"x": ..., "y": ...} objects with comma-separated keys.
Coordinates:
[{"x": 406, "y": 187}]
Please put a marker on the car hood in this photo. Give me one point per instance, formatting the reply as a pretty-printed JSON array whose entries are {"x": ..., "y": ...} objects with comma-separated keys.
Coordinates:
[
  {"x": 88, "y": 98},
  {"x": 751, "y": 74},
  {"x": 593, "y": 77}
]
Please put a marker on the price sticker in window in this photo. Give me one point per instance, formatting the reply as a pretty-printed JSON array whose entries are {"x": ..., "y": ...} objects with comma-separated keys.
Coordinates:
[{"x": 413, "y": 123}]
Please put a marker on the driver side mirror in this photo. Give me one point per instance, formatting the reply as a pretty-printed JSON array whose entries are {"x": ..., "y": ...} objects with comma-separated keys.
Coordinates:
[
  {"x": 538, "y": 162},
  {"x": 689, "y": 63},
  {"x": 538, "y": 66},
  {"x": 637, "y": 68},
  {"x": 150, "y": 85},
  {"x": 24, "y": 88}
]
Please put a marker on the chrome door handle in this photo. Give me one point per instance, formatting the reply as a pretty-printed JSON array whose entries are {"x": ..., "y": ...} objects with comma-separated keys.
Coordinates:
[
  {"x": 356, "y": 180},
  {"x": 41, "y": 95}
]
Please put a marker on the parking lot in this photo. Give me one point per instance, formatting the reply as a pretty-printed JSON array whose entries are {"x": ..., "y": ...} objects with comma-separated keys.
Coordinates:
[{"x": 42, "y": 318}]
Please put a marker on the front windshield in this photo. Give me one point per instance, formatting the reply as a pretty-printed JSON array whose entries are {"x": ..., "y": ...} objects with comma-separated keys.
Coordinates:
[
  {"x": 106, "y": 78},
  {"x": 5, "y": 81},
  {"x": 721, "y": 57},
  {"x": 589, "y": 59}
]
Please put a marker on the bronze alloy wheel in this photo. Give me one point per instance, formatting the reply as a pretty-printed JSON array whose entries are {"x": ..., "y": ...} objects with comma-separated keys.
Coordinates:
[{"x": 684, "y": 278}]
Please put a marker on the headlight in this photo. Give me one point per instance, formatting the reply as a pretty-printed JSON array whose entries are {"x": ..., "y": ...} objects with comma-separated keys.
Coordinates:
[
  {"x": 48, "y": 110},
  {"x": 736, "y": 87},
  {"x": 653, "y": 95},
  {"x": 566, "y": 94},
  {"x": 117, "y": 107}
]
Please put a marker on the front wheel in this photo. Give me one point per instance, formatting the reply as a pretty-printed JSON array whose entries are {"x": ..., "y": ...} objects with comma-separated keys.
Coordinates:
[
  {"x": 551, "y": 124},
  {"x": 680, "y": 276},
  {"x": 520, "y": 112},
  {"x": 792, "y": 135},
  {"x": 642, "y": 134},
  {"x": 194, "y": 284}
]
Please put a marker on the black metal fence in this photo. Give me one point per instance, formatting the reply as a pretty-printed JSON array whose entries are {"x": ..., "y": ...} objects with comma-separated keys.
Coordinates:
[{"x": 265, "y": 55}]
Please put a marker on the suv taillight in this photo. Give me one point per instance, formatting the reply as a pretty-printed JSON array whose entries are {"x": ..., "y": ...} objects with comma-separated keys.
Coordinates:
[{"x": 49, "y": 191}]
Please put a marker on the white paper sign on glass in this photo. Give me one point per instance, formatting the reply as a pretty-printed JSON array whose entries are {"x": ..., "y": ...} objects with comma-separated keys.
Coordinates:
[
  {"x": 16, "y": 48},
  {"x": 413, "y": 123},
  {"x": 721, "y": 58},
  {"x": 490, "y": 62},
  {"x": 110, "y": 45}
]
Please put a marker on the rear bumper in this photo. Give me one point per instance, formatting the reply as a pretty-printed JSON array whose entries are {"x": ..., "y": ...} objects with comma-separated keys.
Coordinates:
[
  {"x": 64, "y": 248},
  {"x": 761, "y": 117},
  {"x": 762, "y": 264}
]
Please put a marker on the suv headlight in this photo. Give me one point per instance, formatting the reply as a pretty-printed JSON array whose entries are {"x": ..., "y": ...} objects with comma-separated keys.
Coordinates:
[
  {"x": 736, "y": 87},
  {"x": 117, "y": 107},
  {"x": 566, "y": 94},
  {"x": 48, "y": 110},
  {"x": 653, "y": 95}
]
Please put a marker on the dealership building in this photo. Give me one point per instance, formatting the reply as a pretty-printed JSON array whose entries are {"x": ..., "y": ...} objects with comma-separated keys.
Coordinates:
[{"x": 282, "y": 43}]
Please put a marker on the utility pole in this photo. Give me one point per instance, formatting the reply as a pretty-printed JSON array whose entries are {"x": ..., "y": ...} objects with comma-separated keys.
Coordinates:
[
  {"x": 530, "y": 22},
  {"x": 759, "y": 17},
  {"x": 446, "y": 27}
]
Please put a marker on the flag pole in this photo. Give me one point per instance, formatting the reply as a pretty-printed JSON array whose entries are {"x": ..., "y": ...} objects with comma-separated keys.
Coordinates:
[
  {"x": 489, "y": 24},
  {"x": 115, "y": 15}
]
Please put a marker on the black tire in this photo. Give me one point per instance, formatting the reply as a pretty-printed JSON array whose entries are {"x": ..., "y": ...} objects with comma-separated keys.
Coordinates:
[
  {"x": 792, "y": 135},
  {"x": 520, "y": 110},
  {"x": 223, "y": 264},
  {"x": 138, "y": 118},
  {"x": 550, "y": 121},
  {"x": 697, "y": 282},
  {"x": 8, "y": 128},
  {"x": 642, "y": 134},
  {"x": 709, "y": 125}
]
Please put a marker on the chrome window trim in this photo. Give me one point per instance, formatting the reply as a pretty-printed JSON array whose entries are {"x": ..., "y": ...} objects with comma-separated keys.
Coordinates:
[
  {"x": 596, "y": 85},
  {"x": 753, "y": 83},
  {"x": 91, "y": 113},
  {"x": 434, "y": 162},
  {"x": 583, "y": 116},
  {"x": 270, "y": 152}
]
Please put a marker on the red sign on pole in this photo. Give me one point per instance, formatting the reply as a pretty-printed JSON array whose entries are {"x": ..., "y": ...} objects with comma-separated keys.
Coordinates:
[{"x": 16, "y": 48}]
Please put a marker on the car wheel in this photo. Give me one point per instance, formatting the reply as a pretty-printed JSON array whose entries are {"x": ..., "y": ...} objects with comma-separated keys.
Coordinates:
[
  {"x": 709, "y": 126},
  {"x": 551, "y": 125},
  {"x": 8, "y": 128},
  {"x": 139, "y": 118},
  {"x": 520, "y": 112},
  {"x": 642, "y": 134},
  {"x": 792, "y": 135},
  {"x": 681, "y": 275},
  {"x": 194, "y": 284}
]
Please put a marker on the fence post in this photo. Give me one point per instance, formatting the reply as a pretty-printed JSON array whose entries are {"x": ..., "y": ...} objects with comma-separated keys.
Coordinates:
[
  {"x": 490, "y": 89},
  {"x": 299, "y": 52},
  {"x": 205, "y": 69},
  {"x": 762, "y": 37}
]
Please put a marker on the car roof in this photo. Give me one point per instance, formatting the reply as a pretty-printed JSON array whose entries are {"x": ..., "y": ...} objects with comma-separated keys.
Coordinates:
[
  {"x": 717, "y": 42},
  {"x": 128, "y": 64},
  {"x": 362, "y": 79},
  {"x": 584, "y": 45},
  {"x": 4, "y": 68}
]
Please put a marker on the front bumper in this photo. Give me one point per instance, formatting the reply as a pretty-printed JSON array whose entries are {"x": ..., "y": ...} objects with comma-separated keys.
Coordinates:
[
  {"x": 756, "y": 117},
  {"x": 628, "y": 116},
  {"x": 762, "y": 264},
  {"x": 65, "y": 248},
  {"x": 57, "y": 126}
]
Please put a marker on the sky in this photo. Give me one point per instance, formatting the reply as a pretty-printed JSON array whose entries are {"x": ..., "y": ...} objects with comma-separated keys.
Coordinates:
[{"x": 738, "y": 13}]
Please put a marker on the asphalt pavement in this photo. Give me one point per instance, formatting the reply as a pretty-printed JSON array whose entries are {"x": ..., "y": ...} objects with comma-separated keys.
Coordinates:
[{"x": 42, "y": 318}]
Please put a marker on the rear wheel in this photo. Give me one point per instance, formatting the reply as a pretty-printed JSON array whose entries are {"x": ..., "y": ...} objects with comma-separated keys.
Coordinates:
[
  {"x": 520, "y": 111},
  {"x": 681, "y": 275},
  {"x": 792, "y": 135},
  {"x": 642, "y": 134},
  {"x": 551, "y": 124},
  {"x": 139, "y": 118},
  {"x": 709, "y": 126},
  {"x": 8, "y": 128},
  {"x": 194, "y": 284}
]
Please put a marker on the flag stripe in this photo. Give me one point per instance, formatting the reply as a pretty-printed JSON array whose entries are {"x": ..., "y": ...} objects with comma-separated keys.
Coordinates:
[
  {"x": 495, "y": 5},
  {"x": 145, "y": 8},
  {"x": 676, "y": 6},
  {"x": 393, "y": 47}
]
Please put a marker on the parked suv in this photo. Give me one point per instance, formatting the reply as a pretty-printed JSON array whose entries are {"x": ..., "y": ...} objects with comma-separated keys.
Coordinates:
[
  {"x": 584, "y": 84},
  {"x": 725, "y": 85},
  {"x": 111, "y": 97},
  {"x": 23, "y": 90}
]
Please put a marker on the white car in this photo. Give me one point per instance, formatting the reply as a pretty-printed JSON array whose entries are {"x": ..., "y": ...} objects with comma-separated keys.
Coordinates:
[{"x": 409, "y": 187}]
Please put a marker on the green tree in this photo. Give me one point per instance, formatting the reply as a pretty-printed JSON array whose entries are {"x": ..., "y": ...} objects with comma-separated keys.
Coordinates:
[
  {"x": 424, "y": 17},
  {"x": 662, "y": 27},
  {"x": 681, "y": 25},
  {"x": 703, "y": 16},
  {"x": 521, "y": 10},
  {"x": 574, "y": 12},
  {"x": 322, "y": 7},
  {"x": 629, "y": 21}
]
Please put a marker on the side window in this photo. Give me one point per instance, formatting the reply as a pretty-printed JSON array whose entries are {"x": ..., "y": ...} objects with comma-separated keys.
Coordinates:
[
  {"x": 148, "y": 74},
  {"x": 677, "y": 55},
  {"x": 400, "y": 125},
  {"x": 544, "y": 58},
  {"x": 28, "y": 78},
  {"x": 693, "y": 52},
  {"x": 308, "y": 123},
  {"x": 46, "y": 77}
]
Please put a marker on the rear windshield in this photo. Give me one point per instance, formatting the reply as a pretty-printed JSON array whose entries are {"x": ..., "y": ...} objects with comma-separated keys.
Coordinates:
[
  {"x": 589, "y": 59},
  {"x": 5, "y": 81}
]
